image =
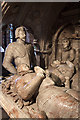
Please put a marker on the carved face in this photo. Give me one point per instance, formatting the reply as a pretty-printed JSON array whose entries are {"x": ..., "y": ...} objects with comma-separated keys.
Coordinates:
[
  {"x": 65, "y": 43},
  {"x": 22, "y": 35}
]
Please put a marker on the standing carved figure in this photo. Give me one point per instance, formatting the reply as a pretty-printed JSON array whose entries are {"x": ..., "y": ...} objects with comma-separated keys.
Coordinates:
[
  {"x": 19, "y": 51},
  {"x": 62, "y": 70},
  {"x": 67, "y": 53}
]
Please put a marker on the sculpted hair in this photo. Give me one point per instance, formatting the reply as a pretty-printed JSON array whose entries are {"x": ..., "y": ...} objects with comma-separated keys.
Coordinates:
[{"x": 22, "y": 28}]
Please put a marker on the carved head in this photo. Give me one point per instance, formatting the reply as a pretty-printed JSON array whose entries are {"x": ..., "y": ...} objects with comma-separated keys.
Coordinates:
[
  {"x": 65, "y": 42},
  {"x": 20, "y": 33}
]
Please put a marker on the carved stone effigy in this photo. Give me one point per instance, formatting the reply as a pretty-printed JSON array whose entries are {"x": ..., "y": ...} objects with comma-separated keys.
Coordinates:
[
  {"x": 66, "y": 48},
  {"x": 23, "y": 87},
  {"x": 61, "y": 101},
  {"x": 58, "y": 102},
  {"x": 63, "y": 68},
  {"x": 55, "y": 102},
  {"x": 61, "y": 73},
  {"x": 23, "y": 90},
  {"x": 19, "y": 52}
]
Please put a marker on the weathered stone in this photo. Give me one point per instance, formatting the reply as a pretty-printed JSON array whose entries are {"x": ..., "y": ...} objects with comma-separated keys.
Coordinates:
[
  {"x": 21, "y": 52},
  {"x": 56, "y": 103}
]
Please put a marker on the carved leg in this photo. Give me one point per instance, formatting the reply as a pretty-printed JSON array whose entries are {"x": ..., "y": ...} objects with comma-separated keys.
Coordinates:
[{"x": 29, "y": 89}]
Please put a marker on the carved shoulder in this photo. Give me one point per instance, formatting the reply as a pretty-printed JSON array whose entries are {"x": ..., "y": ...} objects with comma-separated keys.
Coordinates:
[
  {"x": 9, "y": 50},
  {"x": 8, "y": 54},
  {"x": 10, "y": 45},
  {"x": 29, "y": 48}
]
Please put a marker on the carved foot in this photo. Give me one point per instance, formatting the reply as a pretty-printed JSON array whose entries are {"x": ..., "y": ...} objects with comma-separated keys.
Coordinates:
[{"x": 20, "y": 103}]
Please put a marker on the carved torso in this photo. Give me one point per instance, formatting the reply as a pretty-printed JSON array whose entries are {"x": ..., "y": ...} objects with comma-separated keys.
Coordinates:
[
  {"x": 20, "y": 53},
  {"x": 68, "y": 55}
]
